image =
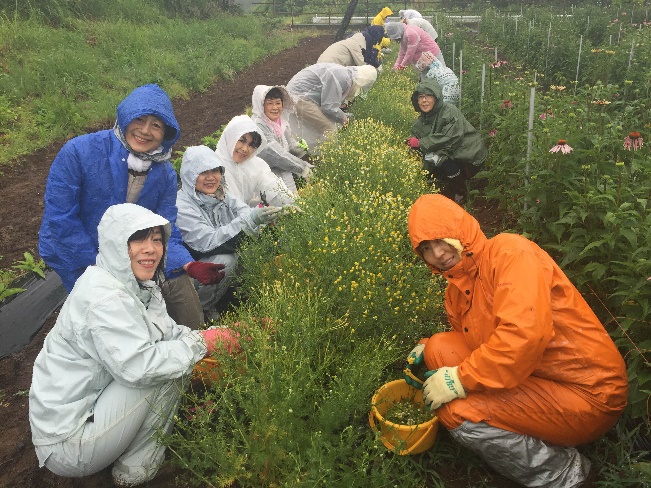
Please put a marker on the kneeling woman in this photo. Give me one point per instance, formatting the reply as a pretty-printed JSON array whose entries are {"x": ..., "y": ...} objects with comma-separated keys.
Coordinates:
[{"x": 110, "y": 373}]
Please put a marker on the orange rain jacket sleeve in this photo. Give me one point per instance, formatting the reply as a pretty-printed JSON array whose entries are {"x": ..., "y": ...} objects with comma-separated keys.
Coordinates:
[{"x": 518, "y": 312}]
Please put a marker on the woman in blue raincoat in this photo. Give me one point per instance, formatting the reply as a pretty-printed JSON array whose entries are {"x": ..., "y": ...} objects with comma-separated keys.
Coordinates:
[{"x": 129, "y": 163}]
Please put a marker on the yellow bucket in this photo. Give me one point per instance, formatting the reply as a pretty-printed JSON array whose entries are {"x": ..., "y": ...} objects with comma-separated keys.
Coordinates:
[
  {"x": 401, "y": 439},
  {"x": 207, "y": 371}
]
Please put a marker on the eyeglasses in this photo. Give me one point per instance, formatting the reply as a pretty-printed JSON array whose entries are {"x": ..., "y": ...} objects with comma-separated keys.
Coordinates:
[{"x": 425, "y": 97}]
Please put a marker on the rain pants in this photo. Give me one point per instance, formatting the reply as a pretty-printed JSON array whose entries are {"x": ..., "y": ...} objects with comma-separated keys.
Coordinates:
[
  {"x": 212, "y": 227},
  {"x": 251, "y": 178},
  {"x": 318, "y": 92},
  {"x": 347, "y": 52},
  {"x": 109, "y": 373},
  {"x": 282, "y": 152},
  {"x": 90, "y": 173},
  {"x": 445, "y": 132},
  {"x": 533, "y": 358},
  {"x": 381, "y": 18},
  {"x": 414, "y": 41}
]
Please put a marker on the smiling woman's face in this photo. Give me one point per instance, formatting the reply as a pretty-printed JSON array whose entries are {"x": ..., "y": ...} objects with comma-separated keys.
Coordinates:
[
  {"x": 244, "y": 148},
  {"x": 145, "y": 252},
  {"x": 146, "y": 133},
  {"x": 439, "y": 254}
]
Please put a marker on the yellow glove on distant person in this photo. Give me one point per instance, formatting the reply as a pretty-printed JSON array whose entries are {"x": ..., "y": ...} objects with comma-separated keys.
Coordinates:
[{"x": 442, "y": 386}]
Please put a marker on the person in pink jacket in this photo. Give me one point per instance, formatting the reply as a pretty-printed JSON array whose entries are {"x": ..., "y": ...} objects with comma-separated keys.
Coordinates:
[{"x": 414, "y": 41}]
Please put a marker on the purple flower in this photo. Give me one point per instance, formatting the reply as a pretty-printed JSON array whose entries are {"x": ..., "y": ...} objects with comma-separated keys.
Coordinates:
[
  {"x": 561, "y": 146},
  {"x": 633, "y": 141}
]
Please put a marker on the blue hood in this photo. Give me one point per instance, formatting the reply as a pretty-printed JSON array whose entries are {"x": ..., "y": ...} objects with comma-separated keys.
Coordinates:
[{"x": 150, "y": 100}]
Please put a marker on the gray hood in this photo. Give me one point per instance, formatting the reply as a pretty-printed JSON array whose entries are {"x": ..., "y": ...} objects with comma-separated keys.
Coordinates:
[{"x": 196, "y": 160}]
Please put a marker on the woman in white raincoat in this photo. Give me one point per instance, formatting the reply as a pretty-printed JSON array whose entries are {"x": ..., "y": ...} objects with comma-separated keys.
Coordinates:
[
  {"x": 249, "y": 177},
  {"x": 319, "y": 91},
  {"x": 213, "y": 222},
  {"x": 110, "y": 372},
  {"x": 271, "y": 106}
]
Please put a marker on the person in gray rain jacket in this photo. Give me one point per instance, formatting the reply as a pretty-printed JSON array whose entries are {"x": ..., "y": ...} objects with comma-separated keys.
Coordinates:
[
  {"x": 451, "y": 147},
  {"x": 271, "y": 105},
  {"x": 110, "y": 373},
  {"x": 319, "y": 91},
  {"x": 249, "y": 177},
  {"x": 212, "y": 221},
  {"x": 347, "y": 52}
]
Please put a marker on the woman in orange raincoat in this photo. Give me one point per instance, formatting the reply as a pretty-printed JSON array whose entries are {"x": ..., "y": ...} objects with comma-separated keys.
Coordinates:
[{"x": 528, "y": 371}]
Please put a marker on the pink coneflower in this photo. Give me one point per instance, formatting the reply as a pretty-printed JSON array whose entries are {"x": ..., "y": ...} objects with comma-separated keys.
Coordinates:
[
  {"x": 633, "y": 141},
  {"x": 463, "y": 71},
  {"x": 546, "y": 114},
  {"x": 561, "y": 146},
  {"x": 497, "y": 64},
  {"x": 492, "y": 133},
  {"x": 449, "y": 34},
  {"x": 506, "y": 104}
]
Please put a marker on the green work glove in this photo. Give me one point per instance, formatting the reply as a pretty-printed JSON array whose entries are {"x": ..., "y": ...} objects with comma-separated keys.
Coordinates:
[
  {"x": 264, "y": 215},
  {"x": 442, "y": 386},
  {"x": 414, "y": 360}
]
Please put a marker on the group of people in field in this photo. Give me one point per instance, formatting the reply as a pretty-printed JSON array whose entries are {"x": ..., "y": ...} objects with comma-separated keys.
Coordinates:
[{"x": 525, "y": 373}]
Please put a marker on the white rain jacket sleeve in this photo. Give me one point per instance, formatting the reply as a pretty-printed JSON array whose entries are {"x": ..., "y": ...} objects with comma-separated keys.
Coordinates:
[
  {"x": 278, "y": 151},
  {"x": 326, "y": 84},
  {"x": 209, "y": 225},
  {"x": 248, "y": 179},
  {"x": 109, "y": 329}
]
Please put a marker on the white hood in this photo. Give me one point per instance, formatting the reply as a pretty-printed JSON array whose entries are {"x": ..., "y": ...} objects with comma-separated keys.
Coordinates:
[{"x": 118, "y": 223}]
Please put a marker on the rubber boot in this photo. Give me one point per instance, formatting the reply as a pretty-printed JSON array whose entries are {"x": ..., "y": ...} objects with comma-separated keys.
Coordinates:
[{"x": 522, "y": 458}]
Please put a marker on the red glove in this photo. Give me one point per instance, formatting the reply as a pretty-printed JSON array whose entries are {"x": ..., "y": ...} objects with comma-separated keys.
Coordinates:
[
  {"x": 206, "y": 273},
  {"x": 413, "y": 142},
  {"x": 400, "y": 68},
  {"x": 221, "y": 338}
]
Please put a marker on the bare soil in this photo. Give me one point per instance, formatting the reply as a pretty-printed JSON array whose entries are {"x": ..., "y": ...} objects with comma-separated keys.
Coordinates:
[{"x": 22, "y": 187}]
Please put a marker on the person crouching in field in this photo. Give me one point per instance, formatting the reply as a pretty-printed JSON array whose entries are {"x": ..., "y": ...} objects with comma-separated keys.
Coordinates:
[
  {"x": 319, "y": 91},
  {"x": 212, "y": 221},
  {"x": 271, "y": 107},
  {"x": 111, "y": 371},
  {"x": 451, "y": 148},
  {"x": 527, "y": 371}
]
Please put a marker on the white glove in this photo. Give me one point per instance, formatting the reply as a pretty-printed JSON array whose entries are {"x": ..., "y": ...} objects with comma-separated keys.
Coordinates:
[
  {"x": 307, "y": 171},
  {"x": 264, "y": 215},
  {"x": 435, "y": 159},
  {"x": 442, "y": 386}
]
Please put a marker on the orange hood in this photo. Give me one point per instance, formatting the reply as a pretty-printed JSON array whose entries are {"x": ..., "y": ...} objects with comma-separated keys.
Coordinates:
[{"x": 434, "y": 217}]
